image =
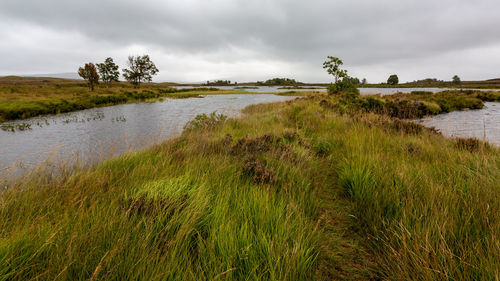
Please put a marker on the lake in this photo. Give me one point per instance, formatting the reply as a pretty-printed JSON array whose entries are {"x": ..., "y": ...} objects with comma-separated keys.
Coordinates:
[
  {"x": 363, "y": 91},
  {"x": 483, "y": 124},
  {"x": 95, "y": 134}
]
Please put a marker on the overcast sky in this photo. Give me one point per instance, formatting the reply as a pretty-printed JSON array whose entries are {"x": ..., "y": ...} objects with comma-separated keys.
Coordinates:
[{"x": 248, "y": 40}]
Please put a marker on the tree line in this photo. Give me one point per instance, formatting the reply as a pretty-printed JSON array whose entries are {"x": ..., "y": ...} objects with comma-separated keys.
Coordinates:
[{"x": 140, "y": 69}]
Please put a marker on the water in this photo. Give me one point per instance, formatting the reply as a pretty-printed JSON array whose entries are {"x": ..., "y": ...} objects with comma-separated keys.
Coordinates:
[
  {"x": 391, "y": 91},
  {"x": 99, "y": 133},
  {"x": 363, "y": 91},
  {"x": 482, "y": 124},
  {"x": 260, "y": 89}
]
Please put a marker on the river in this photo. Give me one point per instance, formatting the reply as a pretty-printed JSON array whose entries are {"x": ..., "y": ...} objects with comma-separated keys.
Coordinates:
[{"x": 95, "y": 134}]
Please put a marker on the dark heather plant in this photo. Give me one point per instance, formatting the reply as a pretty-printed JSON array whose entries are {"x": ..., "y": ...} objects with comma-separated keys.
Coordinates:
[
  {"x": 108, "y": 71},
  {"x": 393, "y": 80},
  {"x": 89, "y": 73},
  {"x": 141, "y": 69}
]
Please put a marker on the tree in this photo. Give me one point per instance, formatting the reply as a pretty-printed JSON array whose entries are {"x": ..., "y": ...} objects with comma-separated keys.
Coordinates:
[
  {"x": 364, "y": 81},
  {"x": 332, "y": 66},
  {"x": 89, "y": 73},
  {"x": 108, "y": 71},
  {"x": 393, "y": 80},
  {"x": 456, "y": 80},
  {"x": 141, "y": 69}
]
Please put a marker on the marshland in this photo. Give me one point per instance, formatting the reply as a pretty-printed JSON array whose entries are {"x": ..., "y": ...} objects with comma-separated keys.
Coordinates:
[
  {"x": 249, "y": 140},
  {"x": 321, "y": 186}
]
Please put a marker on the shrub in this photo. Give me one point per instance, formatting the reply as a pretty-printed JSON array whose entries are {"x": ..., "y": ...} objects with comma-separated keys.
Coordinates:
[
  {"x": 206, "y": 122},
  {"x": 259, "y": 172},
  {"x": 344, "y": 85},
  {"x": 469, "y": 144}
]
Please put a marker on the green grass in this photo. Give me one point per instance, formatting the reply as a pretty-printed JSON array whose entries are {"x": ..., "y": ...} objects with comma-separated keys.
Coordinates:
[
  {"x": 440, "y": 84},
  {"x": 290, "y": 191},
  {"x": 412, "y": 105},
  {"x": 25, "y": 98}
]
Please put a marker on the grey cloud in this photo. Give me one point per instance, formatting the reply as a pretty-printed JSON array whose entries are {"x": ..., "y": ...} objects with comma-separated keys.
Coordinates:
[{"x": 299, "y": 33}]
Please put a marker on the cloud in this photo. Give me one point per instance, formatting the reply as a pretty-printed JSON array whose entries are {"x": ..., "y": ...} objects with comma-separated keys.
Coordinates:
[{"x": 196, "y": 40}]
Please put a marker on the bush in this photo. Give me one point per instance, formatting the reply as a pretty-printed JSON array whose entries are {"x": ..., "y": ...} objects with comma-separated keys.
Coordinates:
[
  {"x": 344, "y": 85},
  {"x": 468, "y": 144},
  {"x": 206, "y": 122}
]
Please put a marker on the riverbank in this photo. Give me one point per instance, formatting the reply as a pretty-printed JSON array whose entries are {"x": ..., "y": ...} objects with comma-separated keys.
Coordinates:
[
  {"x": 298, "y": 190},
  {"x": 32, "y": 98},
  {"x": 494, "y": 84}
]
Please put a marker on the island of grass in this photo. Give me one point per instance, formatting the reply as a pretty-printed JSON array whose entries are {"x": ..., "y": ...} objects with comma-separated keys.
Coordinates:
[{"x": 320, "y": 188}]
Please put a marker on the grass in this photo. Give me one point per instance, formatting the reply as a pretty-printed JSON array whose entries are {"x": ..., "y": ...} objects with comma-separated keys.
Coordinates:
[
  {"x": 413, "y": 105},
  {"x": 29, "y": 98},
  {"x": 488, "y": 84},
  {"x": 290, "y": 191}
]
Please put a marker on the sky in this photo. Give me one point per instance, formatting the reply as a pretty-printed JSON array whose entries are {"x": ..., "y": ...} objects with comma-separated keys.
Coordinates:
[{"x": 250, "y": 40}]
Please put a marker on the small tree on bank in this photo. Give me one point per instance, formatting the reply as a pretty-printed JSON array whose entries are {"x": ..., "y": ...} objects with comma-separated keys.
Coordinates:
[
  {"x": 456, "y": 80},
  {"x": 141, "y": 69},
  {"x": 108, "y": 71},
  {"x": 393, "y": 80},
  {"x": 342, "y": 81},
  {"x": 89, "y": 73},
  {"x": 332, "y": 66}
]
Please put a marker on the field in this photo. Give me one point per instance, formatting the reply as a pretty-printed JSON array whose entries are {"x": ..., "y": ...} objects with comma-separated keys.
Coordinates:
[{"x": 321, "y": 188}]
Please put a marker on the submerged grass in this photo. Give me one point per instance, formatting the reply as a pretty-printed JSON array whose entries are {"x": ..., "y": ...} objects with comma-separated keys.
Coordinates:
[{"x": 291, "y": 191}]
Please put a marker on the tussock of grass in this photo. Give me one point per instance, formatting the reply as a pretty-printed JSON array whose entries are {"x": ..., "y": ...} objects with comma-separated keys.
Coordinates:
[{"x": 349, "y": 197}]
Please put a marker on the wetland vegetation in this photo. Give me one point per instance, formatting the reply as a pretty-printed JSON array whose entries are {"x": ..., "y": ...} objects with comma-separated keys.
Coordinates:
[
  {"x": 307, "y": 189},
  {"x": 330, "y": 186},
  {"x": 24, "y": 99}
]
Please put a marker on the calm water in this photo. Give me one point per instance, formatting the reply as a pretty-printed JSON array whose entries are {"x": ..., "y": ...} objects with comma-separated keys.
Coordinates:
[
  {"x": 100, "y": 133},
  {"x": 482, "y": 124}
]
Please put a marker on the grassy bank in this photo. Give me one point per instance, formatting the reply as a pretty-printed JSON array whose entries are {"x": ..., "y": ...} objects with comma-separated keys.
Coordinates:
[
  {"x": 33, "y": 99},
  {"x": 494, "y": 84},
  {"x": 412, "y": 105},
  {"x": 291, "y": 191},
  {"x": 29, "y": 98}
]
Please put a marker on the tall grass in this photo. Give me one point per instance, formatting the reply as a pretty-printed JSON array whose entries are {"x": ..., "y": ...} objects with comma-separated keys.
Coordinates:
[{"x": 291, "y": 191}]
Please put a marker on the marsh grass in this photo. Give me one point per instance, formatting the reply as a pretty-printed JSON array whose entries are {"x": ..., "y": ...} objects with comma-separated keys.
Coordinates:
[
  {"x": 25, "y": 100},
  {"x": 290, "y": 191}
]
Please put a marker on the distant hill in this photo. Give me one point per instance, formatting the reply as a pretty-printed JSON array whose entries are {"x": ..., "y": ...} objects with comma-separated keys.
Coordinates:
[
  {"x": 12, "y": 79},
  {"x": 64, "y": 75},
  {"x": 496, "y": 80}
]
